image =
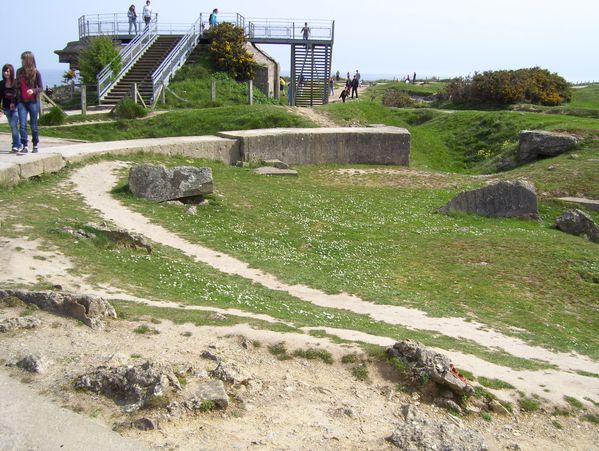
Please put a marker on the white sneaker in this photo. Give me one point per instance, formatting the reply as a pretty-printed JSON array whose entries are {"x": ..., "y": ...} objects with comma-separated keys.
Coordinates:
[
  {"x": 15, "y": 150},
  {"x": 25, "y": 149},
  {"x": 35, "y": 149}
]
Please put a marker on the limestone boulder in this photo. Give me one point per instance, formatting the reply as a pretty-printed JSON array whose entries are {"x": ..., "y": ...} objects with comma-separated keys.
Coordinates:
[
  {"x": 577, "y": 222},
  {"x": 131, "y": 385},
  {"x": 91, "y": 310},
  {"x": 158, "y": 183},
  {"x": 535, "y": 143},
  {"x": 210, "y": 391},
  {"x": 25, "y": 322},
  {"x": 426, "y": 362},
  {"x": 34, "y": 363},
  {"x": 507, "y": 199}
]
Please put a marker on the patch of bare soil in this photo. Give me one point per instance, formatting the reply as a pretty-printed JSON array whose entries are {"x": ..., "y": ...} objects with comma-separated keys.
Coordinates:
[
  {"x": 396, "y": 177},
  {"x": 291, "y": 404},
  {"x": 319, "y": 118}
]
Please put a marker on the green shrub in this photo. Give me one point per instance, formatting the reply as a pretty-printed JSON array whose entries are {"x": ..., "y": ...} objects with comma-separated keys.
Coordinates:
[
  {"x": 207, "y": 405},
  {"x": 99, "y": 52},
  {"x": 54, "y": 117},
  {"x": 398, "y": 99},
  {"x": 128, "y": 109},
  {"x": 574, "y": 402},
  {"x": 145, "y": 329},
  {"x": 506, "y": 87},
  {"x": 486, "y": 416},
  {"x": 350, "y": 358}
]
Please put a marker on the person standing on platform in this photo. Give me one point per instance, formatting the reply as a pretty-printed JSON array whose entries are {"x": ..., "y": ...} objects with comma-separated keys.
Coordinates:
[
  {"x": 358, "y": 76},
  {"x": 331, "y": 86},
  {"x": 306, "y": 31},
  {"x": 147, "y": 13},
  {"x": 132, "y": 16},
  {"x": 414, "y": 78},
  {"x": 213, "y": 19}
]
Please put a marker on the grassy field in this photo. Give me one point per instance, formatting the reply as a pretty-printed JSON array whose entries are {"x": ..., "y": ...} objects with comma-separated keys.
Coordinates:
[
  {"x": 193, "y": 122},
  {"x": 386, "y": 244},
  {"x": 169, "y": 275},
  {"x": 585, "y": 97}
]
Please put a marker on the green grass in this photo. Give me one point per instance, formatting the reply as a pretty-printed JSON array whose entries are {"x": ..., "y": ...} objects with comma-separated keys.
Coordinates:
[
  {"x": 496, "y": 384},
  {"x": 144, "y": 329},
  {"x": 461, "y": 141},
  {"x": 196, "y": 122},
  {"x": 314, "y": 354},
  {"x": 574, "y": 402},
  {"x": 587, "y": 97},
  {"x": 386, "y": 245},
  {"x": 360, "y": 372},
  {"x": 529, "y": 404}
]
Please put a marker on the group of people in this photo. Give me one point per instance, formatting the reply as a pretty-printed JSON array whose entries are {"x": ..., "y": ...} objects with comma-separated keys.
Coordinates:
[
  {"x": 351, "y": 86},
  {"x": 146, "y": 14},
  {"x": 19, "y": 96}
]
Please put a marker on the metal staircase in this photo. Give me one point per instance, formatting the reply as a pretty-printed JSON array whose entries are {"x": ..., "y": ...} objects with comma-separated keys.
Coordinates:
[
  {"x": 141, "y": 71},
  {"x": 310, "y": 72},
  {"x": 152, "y": 58}
]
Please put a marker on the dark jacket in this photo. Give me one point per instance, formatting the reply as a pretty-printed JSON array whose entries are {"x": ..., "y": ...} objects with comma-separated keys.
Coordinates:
[
  {"x": 8, "y": 96},
  {"x": 37, "y": 87}
]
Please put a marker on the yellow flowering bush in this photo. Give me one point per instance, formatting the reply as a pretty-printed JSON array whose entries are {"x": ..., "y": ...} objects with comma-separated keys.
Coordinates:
[{"x": 229, "y": 52}]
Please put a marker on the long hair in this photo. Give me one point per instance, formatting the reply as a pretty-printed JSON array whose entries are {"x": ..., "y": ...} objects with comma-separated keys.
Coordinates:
[
  {"x": 29, "y": 67},
  {"x": 132, "y": 8},
  {"x": 11, "y": 78}
]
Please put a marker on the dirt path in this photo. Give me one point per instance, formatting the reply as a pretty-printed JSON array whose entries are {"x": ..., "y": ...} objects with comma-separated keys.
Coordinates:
[
  {"x": 31, "y": 421},
  {"x": 95, "y": 191},
  {"x": 315, "y": 116}
]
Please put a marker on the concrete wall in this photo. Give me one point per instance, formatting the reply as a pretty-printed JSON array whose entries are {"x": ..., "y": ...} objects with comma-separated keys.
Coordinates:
[
  {"x": 267, "y": 76},
  {"x": 377, "y": 145}
]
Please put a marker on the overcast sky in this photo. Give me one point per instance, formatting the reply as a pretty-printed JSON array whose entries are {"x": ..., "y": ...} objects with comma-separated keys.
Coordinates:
[{"x": 395, "y": 37}]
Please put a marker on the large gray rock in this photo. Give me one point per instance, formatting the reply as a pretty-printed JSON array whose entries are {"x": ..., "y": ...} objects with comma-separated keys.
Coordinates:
[
  {"x": 576, "y": 222},
  {"x": 156, "y": 182},
  {"x": 210, "y": 391},
  {"x": 91, "y": 310},
  {"x": 231, "y": 373},
  {"x": 131, "y": 385},
  {"x": 507, "y": 199},
  {"x": 535, "y": 143},
  {"x": 424, "y": 361},
  {"x": 420, "y": 433}
]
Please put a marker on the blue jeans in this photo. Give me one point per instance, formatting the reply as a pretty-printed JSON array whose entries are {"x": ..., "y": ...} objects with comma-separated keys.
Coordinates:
[
  {"x": 33, "y": 109},
  {"x": 13, "y": 120}
]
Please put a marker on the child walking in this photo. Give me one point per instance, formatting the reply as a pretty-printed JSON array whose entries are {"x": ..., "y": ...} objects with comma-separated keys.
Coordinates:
[{"x": 29, "y": 87}]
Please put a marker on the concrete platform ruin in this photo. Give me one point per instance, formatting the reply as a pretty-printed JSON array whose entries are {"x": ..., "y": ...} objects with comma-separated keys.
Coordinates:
[
  {"x": 369, "y": 145},
  {"x": 377, "y": 145}
]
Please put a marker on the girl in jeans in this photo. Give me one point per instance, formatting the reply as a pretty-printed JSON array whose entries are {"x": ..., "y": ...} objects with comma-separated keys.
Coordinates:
[
  {"x": 29, "y": 86},
  {"x": 132, "y": 15},
  {"x": 8, "y": 99}
]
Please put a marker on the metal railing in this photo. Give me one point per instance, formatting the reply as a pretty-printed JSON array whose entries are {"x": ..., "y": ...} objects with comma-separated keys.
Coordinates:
[
  {"x": 118, "y": 25},
  {"x": 176, "y": 57},
  {"x": 287, "y": 29},
  {"x": 128, "y": 56}
]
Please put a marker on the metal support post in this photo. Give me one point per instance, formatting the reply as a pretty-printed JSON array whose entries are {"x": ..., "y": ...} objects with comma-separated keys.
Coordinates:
[
  {"x": 251, "y": 92},
  {"x": 213, "y": 90}
]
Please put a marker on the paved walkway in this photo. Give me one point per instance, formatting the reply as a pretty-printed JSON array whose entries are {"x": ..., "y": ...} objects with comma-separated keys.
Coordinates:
[{"x": 29, "y": 421}]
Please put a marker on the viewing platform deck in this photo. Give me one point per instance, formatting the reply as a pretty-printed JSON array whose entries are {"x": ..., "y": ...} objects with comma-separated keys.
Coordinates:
[{"x": 257, "y": 31}]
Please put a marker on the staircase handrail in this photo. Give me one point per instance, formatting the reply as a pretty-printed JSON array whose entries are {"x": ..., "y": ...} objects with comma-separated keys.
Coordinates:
[
  {"x": 128, "y": 56},
  {"x": 177, "y": 57}
]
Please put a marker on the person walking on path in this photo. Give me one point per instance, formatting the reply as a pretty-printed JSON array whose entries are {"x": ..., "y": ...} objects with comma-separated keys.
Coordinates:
[
  {"x": 306, "y": 31},
  {"x": 8, "y": 100},
  {"x": 414, "y": 78},
  {"x": 331, "y": 87},
  {"x": 354, "y": 86},
  {"x": 147, "y": 13},
  {"x": 358, "y": 76},
  {"x": 29, "y": 87},
  {"x": 213, "y": 19},
  {"x": 132, "y": 16}
]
